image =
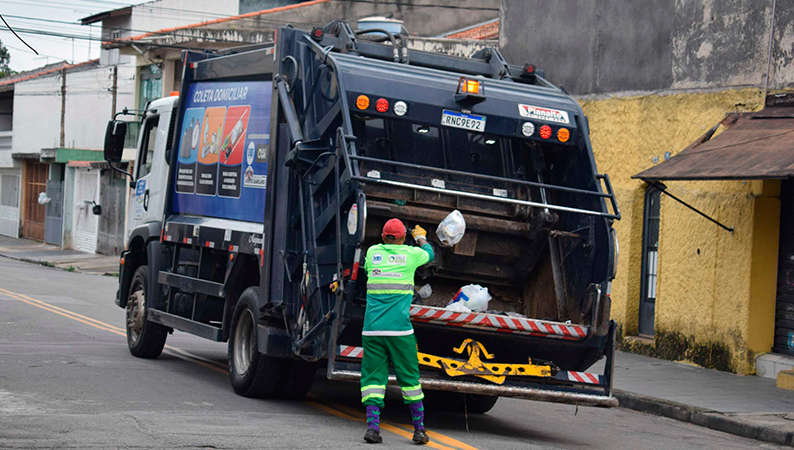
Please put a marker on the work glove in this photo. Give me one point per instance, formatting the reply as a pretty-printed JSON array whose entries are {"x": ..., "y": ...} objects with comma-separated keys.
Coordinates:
[{"x": 418, "y": 232}]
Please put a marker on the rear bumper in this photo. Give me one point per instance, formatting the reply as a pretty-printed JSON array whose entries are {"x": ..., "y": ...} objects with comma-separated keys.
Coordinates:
[{"x": 528, "y": 393}]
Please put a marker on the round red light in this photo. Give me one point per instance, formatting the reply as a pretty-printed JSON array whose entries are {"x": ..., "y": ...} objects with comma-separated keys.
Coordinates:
[
  {"x": 382, "y": 105},
  {"x": 318, "y": 32},
  {"x": 545, "y": 132}
]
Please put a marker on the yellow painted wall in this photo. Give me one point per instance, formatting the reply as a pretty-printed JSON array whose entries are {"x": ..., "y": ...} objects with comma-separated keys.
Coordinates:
[{"x": 715, "y": 291}]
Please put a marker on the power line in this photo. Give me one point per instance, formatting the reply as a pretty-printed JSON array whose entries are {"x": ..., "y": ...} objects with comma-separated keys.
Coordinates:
[
  {"x": 122, "y": 29},
  {"x": 15, "y": 34}
]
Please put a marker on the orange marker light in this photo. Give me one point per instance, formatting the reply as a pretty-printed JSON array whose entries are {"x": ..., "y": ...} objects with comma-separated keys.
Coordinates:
[
  {"x": 122, "y": 261},
  {"x": 545, "y": 132},
  {"x": 472, "y": 86},
  {"x": 174, "y": 93},
  {"x": 362, "y": 102},
  {"x": 563, "y": 135},
  {"x": 382, "y": 105}
]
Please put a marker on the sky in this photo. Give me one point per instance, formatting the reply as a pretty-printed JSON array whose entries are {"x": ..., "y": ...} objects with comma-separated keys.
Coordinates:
[{"x": 32, "y": 17}]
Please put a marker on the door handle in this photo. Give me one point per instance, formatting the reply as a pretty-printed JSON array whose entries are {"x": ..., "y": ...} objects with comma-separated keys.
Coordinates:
[{"x": 146, "y": 200}]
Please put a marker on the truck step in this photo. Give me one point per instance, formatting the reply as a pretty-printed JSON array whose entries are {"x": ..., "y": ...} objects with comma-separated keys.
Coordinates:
[{"x": 502, "y": 323}]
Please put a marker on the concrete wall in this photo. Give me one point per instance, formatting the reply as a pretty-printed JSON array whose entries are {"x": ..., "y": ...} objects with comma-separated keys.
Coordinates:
[
  {"x": 715, "y": 290},
  {"x": 422, "y": 21},
  {"x": 37, "y": 109},
  {"x": 161, "y": 14},
  {"x": 612, "y": 45},
  {"x": 37, "y": 120}
]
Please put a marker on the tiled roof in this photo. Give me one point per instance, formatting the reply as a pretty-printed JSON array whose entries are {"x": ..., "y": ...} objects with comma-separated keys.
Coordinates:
[
  {"x": 485, "y": 31},
  {"x": 216, "y": 21},
  {"x": 41, "y": 72}
]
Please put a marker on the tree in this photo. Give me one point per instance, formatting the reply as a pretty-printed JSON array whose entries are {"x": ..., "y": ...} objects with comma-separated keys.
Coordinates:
[{"x": 5, "y": 59}]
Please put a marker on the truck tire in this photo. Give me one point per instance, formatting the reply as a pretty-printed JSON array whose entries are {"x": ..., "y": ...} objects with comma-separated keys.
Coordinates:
[
  {"x": 145, "y": 339},
  {"x": 480, "y": 404},
  {"x": 251, "y": 373},
  {"x": 299, "y": 380},
  {"x": 453, "y": 401}
]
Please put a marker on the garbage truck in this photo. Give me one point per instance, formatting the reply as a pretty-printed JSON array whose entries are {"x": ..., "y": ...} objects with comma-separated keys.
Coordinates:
[{"x": 257, "y": 190}]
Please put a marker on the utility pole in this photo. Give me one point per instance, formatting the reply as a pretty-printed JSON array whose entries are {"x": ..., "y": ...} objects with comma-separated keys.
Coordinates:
[
  {"x": 114, "y": 90},
  {"x": 63, "y": 106}
]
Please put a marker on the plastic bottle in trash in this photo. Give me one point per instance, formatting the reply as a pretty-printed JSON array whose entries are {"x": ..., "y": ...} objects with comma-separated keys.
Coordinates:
[{"x": 234, "y": 136}]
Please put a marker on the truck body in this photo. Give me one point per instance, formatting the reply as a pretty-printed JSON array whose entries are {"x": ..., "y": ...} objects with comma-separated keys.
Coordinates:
[{"x": 258, "y": 190}]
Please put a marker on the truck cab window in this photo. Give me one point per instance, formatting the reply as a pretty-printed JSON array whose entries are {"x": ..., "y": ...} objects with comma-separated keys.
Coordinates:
[{"x": 147, "y": 147}]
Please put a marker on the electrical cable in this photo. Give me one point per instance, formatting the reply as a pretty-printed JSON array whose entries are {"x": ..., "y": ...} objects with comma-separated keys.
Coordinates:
[
  {"x": 121, "y": 29},
  {"x": 18, "y": 37}
]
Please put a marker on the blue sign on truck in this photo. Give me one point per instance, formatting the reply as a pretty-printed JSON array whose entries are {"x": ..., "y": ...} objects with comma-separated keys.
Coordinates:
[{"x": 222, "y": 164}]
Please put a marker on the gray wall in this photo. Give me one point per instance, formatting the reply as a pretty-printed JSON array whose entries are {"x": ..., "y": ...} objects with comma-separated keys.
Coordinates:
[
  {"x": 423, "y": 21},
  {"x": 602, "y": 46}
]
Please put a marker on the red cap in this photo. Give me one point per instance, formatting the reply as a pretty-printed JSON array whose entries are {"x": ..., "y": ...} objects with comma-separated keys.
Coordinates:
[{"x": 394, "y": 228}]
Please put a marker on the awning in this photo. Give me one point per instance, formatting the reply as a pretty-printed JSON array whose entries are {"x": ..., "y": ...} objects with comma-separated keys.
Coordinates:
[{"x": 755, "y": 146}]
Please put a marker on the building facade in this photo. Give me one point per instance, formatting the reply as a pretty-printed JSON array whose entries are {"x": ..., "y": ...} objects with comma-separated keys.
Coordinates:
[{"x": 652, "y": 79}]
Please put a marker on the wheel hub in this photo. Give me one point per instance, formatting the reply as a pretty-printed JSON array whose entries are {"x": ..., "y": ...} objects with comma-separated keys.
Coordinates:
[
  {"x": 135, "y": 310},
  {"x": 244, "y": 342}
]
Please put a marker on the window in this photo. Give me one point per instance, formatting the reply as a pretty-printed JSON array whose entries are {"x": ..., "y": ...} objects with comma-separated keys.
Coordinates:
[
  {"x": 151, "y": 85},
  {"x": 147, "y": 145},
  {"x": 650, "y": 260}
]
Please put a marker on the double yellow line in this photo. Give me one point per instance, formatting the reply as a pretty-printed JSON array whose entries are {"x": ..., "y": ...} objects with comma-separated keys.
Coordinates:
[{"x": 440, "y": 441}]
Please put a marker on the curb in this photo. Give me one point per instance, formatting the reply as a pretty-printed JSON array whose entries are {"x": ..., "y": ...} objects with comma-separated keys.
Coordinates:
[
  {"x": 702, "y": 417},
  {"x": 53, "y": 266}
]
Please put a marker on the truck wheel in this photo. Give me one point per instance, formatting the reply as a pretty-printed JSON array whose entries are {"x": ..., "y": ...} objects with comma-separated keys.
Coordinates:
[
  {"x": 299, "y": 380},
  {"x": 453, "y": 401},
  {"x": 145, "y": 339},
  {"x": 252, "y": 374},
  {"x": 480, "y": 404}
]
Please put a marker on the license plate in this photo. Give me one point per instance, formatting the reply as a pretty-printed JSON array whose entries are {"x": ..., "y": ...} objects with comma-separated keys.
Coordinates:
[{"x": 465, "y": 121}]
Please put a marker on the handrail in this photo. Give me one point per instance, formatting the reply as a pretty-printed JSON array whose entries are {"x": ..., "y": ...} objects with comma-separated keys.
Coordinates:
[
  {"x": 479, "y": 175},
  {"x": 484, "y": 197}
]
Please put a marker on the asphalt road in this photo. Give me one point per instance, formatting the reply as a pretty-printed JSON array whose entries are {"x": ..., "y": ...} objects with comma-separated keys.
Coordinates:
[{"x": 67, "y": 380}]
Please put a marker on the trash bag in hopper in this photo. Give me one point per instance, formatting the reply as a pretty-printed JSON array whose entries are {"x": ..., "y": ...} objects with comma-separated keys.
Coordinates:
[
  {"x": 473, "y": 297},
  {"x": 451, "y": 230}
]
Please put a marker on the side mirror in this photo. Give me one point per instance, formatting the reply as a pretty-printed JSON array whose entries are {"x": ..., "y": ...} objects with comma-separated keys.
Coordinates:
[{"x": 114, "y": 140}]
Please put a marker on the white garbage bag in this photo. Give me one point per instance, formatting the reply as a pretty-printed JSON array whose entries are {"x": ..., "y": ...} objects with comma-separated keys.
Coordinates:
[
  {"x": 451, "y": 230},
  {"x": 473, "y": 297},
  {"x": 425, "y": 292},
  {"x": 457, "y": 307}
]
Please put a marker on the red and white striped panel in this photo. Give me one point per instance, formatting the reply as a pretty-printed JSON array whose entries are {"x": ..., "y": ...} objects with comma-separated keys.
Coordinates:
[
  {"x": 501, "y": 323},
  {"x": 584, "y": 377},
  {"x": 350, "y": 351}
]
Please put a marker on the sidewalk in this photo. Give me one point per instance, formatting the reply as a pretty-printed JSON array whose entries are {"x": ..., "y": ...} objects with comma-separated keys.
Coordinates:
[
  {"x": 52, "y": 255},
  {"x": 747, "y": 406}
]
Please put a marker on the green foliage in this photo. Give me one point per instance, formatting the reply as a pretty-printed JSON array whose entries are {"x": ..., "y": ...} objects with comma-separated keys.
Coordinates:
[{"x": 5, "y": 59}]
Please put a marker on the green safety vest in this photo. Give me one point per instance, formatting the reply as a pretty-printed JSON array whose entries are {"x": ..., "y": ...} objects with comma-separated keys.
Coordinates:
[{"x": 390, "y": 287}]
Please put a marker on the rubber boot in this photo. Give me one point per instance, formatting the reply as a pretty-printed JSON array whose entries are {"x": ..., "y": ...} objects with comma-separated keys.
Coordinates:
[
  {"x": 373, "y": 425},
  {"x": 418, "y": 419}
]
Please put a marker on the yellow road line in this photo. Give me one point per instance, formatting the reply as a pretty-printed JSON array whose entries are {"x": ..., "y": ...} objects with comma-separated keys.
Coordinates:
[
  {"x": 383, "y": 425},
  {"x": 222, "y": 368},
  {"x": 433, "y": 435}
]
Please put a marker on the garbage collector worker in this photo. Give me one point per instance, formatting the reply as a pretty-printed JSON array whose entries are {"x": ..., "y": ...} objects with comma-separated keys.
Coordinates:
[{"x": 388, "y": 335}]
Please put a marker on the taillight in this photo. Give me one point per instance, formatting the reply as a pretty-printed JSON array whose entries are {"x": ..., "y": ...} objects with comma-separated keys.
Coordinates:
[
  {"x": 362, "y": 102},
  {"x": 400, "y": 108},
  {"x": 545, "y": 132},
  {"x": 563, "y": 135},
  {"x": 382, "y": 105},
  {"x": 527, "y": 129}
]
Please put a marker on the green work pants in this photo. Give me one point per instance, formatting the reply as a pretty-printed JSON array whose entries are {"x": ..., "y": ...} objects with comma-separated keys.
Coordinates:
[{"x": 378, "y": 352}]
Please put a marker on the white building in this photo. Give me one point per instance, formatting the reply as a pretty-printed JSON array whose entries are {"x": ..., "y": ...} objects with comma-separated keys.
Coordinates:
[{"x": 52, "y": 143}]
